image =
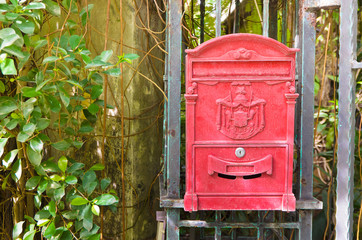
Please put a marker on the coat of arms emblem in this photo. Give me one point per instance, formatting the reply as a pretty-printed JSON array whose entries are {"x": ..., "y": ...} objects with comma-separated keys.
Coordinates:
[{"x": 240, "y": 115}]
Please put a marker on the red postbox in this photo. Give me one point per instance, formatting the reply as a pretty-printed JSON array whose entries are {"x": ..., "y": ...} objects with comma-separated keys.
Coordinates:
[{"x": 240, "y": 100}]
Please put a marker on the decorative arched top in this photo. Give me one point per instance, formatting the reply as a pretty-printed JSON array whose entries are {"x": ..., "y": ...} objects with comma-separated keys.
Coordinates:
[{"x": 241, "y": 46}]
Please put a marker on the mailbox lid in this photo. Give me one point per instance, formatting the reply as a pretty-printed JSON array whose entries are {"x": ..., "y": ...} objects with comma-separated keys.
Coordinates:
[
  {"x": 238, "y": 46},
  {"x": 261, "y": 171}
]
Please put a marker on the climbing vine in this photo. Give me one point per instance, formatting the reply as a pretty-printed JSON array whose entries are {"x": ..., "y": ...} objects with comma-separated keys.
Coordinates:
[{"x": 50, "y": 100}]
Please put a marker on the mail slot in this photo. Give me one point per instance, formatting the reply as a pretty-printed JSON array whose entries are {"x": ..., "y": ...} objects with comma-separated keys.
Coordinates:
[{"x": 240, "y": 100}]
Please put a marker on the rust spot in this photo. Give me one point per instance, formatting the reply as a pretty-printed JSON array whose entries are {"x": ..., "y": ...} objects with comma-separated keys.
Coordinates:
[
  {"x": 172, "y": 132},
  {"x": 303, "y": 181}
]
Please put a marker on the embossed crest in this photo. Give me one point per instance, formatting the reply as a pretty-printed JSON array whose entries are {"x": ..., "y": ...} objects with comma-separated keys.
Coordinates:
[{"x": 240, "y": 115}]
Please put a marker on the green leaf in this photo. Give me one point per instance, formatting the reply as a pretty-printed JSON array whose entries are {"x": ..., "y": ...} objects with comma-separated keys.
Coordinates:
[
  {"x": 12, "y": 124},
  {"x": 83, "y": 14},
  {"x": 24, "y": 60},
  {"x": 105, "y": 55},
  {"x": 42, "y": 222},
  {"x": 42, "y": 214},
  {"x": 131, "y": 56},
  {"x": 42, "y": 186},
  {"x": 42, "y": 84},
  {"x": 39, "y": 78},
  {"x": 95, "y": 237},
  {"x": 114, "y": 72},
  {"x": 70, "y": 215},
  {"x": 106, "y": 199},
  {"x": 28, "y": 107},
  {"x": 40, "y": 170},
  {"x": 9, "y": 40},
  {"x": 18, "y": 229},
  {"x": 16, "y": 170},
  {"x": 97, "y": 90},
  {"x": 37, "y": 201},
  {"x": 8, "y": 67},
  {"x": 32, "y": 183},
  {"x": 69, "y": 131},
  {"x": 11, "y": 16},
  {"x": 29, "y": 128},
  {"x": 61, "y": 145},
  {"x": 64, "y": 96},
  {"x": 71, "y": 180},
  {"x": 31, "y": 220},
  {"x": 74, "y": 83},
  {"x": 85, "y": 234},
  {"x": 52, "y": 208},
  {"x": 74, "y": 41},
  {"x": 34, "y": 157},
  {"x": 49, "y": 232},
  {"x": 7, "y": 105},
  {"x": 22, "y": 137},
  {"x": 34, "y": 5},
  {"x": 97, "y": 78},
  {"x": 75, "y": 167},
  {"x": 6, "y": 7},
  {"x": 14, "y": 2},
  {"x": 2, "y": 87},
  {"x": 55, "y": 177},
  {"x": 52, "y": 7},
  {"x": 30, "y": 92},
  {"x": 97, "y": 167},
  {"x": 77, "y": 144},
  {"x": 50, "y": 59},
  {"x": 36, "y": 144},
  {"x": 54, "y": 103},
  {"x": 93, "y": 108},
  {"x": 9, "y": 157},
  {"x": 26, "y": 27},
  {"x": 63, "y": 163},
  {"x": 5, "y": 181},
  {"x": 3, "y": 55},
  {"x": 78, "y": 201},
  {"x": 3, "y": 142},
  {"x": 59, "y": 193},
  {"x": 85, "y": 127},
  {"x": 15, "y": 50},
  {"x": 89, "y": 181},
  {"x": 29, "y": 235},
  {"x": 89, "y": 116},
  {"x": 105, "y": 183},
  {"x": 88, "y": 218},
  {"x": 39, "y": 44},
  {"x": 86, "y": 58},
  {"x": 95, "y": 210},
  {"x": 42, "y": 123}
]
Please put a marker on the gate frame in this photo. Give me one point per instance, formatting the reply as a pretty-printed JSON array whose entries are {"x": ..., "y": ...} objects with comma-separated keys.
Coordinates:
[{"x": 305, "y": 40}]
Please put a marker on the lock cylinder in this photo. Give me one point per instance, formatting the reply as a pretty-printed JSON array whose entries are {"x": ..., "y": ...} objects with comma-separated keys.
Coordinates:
[{"x": 240, "y": 152}]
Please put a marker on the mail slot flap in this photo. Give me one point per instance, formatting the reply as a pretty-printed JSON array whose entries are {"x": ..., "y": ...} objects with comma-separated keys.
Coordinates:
[
  {"x": 237, "y": 168},
  {"x": 243, "y": 70}
]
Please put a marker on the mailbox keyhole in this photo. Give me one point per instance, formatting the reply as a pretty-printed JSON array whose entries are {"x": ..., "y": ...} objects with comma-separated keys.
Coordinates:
[
  {"x": 226, "y": 176},
  {"x": 252, "y": 176}
]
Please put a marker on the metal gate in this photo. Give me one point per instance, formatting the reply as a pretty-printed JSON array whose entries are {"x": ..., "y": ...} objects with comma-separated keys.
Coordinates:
[{"x": 265, "y": 223}]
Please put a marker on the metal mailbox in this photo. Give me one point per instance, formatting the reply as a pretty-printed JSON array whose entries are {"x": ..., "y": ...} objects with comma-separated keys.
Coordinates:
[{"x": 240, "y": 100}]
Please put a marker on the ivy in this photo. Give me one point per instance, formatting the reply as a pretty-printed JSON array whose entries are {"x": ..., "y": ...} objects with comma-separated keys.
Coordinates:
[{"x": 59, "y": 85}]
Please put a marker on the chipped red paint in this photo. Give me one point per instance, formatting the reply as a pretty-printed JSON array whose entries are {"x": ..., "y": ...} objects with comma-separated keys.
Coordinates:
[{"x": 240, "y": 99}]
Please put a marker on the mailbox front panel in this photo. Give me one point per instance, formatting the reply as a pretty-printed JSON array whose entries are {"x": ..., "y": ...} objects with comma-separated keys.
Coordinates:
[
  {"x": 240, "y": 110},
  {"x": 240, "y": 97}
]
